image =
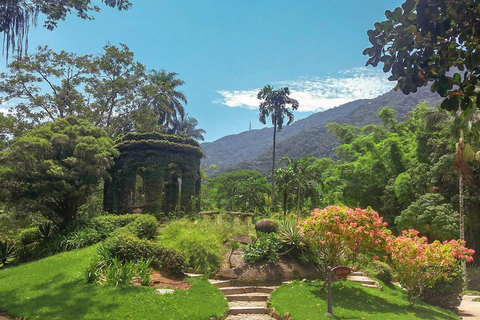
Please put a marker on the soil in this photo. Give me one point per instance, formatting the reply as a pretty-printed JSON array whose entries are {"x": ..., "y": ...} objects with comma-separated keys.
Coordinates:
[{"x": 159, "y": 280}]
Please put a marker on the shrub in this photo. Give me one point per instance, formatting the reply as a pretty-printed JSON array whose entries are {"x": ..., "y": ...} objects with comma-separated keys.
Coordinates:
[
  {"x": 29, "y": 236},
  {"x": 447, "y": 292},
  {"x": 119, "y": 272},
  {"x": 108, "y": 223},
  {"x": 384, "y": 271},
  {"x": 338, "y": 235},
  {"x": 128, "y": 247},
  {"x": 419, "y": 264},
  {"x": 264, "y": 247},
  {"x": 144, "y": 226}
]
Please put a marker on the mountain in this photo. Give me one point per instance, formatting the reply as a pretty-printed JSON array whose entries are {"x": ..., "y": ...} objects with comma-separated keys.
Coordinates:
[{"x": 253, "y": 149}]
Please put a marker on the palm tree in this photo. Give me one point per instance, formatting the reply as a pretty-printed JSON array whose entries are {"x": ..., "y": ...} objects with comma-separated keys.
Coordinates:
[
  {"x": 460, "y": 122},
  {"x": 274, "y": 103},
  {"x": 163, "y": 97},
  {"x": 186, "y": 126},
  {"x": 300, "y": 169}
]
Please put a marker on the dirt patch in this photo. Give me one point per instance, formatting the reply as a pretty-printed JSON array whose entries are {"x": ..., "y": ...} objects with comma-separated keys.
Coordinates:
[{"x": 157, "y": 279}]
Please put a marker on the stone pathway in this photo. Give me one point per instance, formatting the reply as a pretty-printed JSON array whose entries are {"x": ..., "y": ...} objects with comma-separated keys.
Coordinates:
[
  {"x": 469, "y": 309},
  {"x": 245, "y": 302}
]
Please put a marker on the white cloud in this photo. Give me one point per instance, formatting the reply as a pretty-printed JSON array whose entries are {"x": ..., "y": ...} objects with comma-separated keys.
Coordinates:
[{"x": 317, "y": 94}]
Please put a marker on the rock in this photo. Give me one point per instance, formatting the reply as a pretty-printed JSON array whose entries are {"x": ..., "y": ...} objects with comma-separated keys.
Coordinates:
[
  {"x": 164, "y": 291},
  {"x": 266, "y": 225}
]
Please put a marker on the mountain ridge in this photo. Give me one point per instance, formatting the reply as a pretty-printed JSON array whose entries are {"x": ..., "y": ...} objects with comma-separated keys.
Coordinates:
[{"x": 253, "y": 149}]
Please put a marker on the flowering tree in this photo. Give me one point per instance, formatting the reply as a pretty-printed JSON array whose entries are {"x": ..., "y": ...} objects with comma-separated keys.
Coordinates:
[
  {"x": 338, "y": 234},
  {"x": 419, "y": 264}
]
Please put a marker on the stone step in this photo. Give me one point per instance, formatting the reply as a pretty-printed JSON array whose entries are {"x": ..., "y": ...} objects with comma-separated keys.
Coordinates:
[
  {"x": 247, "y": 297},
  {"x": 237, "y": 290},
  {"x": 248, "y": 310},
  {"x": 362, "y": 280},
  {"x": 221, "y": 283},
  {"x": 193, "y": 275},
  {"x": 357, "y": 273},
  {"x": 246, "y": 304},
  {"x": 374, "y": 286}
]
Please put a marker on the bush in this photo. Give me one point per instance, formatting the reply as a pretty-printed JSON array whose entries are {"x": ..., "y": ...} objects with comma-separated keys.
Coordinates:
[
  {"x": 264, "y": 247},
  {"x": 108, "y": 223},
  {"x": 144, "y": 226},
  {"x": 29, "y": 236},
  {"x": 128, "y": 247},
  {"x": 384, "y": 271},
  {"x": 447, "y": 292}
]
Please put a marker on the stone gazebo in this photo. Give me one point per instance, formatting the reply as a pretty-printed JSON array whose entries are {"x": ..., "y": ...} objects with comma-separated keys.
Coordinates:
[{"x": 155, "y": 173}]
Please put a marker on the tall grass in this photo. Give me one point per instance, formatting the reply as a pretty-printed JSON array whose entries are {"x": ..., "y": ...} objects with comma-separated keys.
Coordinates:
[{"x": 201, "y": 242}]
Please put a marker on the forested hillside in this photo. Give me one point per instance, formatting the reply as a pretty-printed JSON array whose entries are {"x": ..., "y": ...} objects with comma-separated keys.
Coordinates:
[{"x": 253, "y": 149}]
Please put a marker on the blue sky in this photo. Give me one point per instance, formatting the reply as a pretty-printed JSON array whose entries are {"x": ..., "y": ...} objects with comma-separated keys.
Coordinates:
[{"x": 226, "y": 50}]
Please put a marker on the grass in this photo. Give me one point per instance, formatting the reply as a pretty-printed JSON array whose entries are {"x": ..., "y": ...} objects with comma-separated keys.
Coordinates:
[
  {"x": 56, "y": 288},
  {"x": 472, "y": 292},
  {"x": 305, "y": 301}
]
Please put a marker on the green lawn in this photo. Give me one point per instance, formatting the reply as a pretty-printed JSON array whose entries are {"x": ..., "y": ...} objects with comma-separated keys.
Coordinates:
[
  {"x": 305, "y": 301},
  {"x": 55, "y": 288}
]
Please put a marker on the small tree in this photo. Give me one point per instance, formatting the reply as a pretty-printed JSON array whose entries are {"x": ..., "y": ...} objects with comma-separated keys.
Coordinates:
[
  {"x": 419, "y": 264},
  {"x": 53, "y": 168},
  {"x": 339, "y": 234}
]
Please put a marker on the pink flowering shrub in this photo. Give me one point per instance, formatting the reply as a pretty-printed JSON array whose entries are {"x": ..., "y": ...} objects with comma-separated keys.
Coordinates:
[
  {"x": 337, "y": 235},
  {"x": 419, "y": 264}
]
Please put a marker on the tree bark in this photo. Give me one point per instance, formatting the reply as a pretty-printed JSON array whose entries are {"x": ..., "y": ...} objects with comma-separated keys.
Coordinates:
[
  {"x": 272, "y": 200},
  {"x": 461, "y": 219}
]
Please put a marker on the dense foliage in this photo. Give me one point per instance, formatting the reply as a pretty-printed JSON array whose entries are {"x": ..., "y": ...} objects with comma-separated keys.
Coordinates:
[
  {"x": 423, "y": 42},
  {"x": 243, "y": 190},
  {"x": 111, "y": 90},
  {"x": 52, "y": 169}
]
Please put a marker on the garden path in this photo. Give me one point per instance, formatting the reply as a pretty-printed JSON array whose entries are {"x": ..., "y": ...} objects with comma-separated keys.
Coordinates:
[{"x": 469, "y": 309}]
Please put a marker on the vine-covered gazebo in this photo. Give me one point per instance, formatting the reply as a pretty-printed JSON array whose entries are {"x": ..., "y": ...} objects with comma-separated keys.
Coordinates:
[{"x": 155, "y": 173}]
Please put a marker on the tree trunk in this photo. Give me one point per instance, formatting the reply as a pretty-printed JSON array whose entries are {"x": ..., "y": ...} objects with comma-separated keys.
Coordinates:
[
  {"x": 272, "y": 203},
  {"x": 461, "y": 219},
  {"x": 298, "y": 202}
]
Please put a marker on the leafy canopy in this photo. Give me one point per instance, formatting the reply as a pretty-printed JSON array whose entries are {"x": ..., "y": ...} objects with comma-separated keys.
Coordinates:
[
  {"x": 433, "y": 42},
  {"x": 53, "y": 168}
]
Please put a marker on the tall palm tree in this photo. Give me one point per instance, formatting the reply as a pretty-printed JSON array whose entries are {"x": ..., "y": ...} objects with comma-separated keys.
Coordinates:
[
  {"x": 163, "y": 96},
  {"x": 461, "y": 122},
  {"x": 275, "y": 103}
]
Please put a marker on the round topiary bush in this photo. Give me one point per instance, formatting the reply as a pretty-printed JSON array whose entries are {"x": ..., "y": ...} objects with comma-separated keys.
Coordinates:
[{"x": 266, "y": 226}]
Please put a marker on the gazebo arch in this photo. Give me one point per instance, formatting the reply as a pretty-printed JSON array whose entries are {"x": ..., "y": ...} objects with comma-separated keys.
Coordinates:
[{"x": 169, "y": 167}]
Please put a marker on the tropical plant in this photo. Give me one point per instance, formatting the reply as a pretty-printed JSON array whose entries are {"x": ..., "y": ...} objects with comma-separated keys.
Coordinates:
[
  {"x": 275, "y": 103},
  {"x": 300, "y": 175},
  {"x": 234, "y": 245},
  {"x": 6, "y": 252},
  {"x": 264, "y": 247},
  {"x": 186, "y": 126}
]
